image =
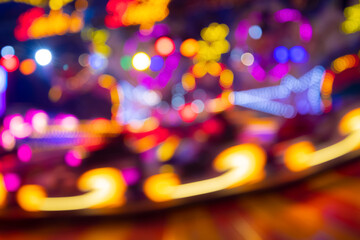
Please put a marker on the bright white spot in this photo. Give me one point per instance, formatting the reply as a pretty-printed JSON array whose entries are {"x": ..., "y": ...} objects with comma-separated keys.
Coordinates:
[
  {"x": 43, "y": 57},
  {"x": 247, "y": 59}
]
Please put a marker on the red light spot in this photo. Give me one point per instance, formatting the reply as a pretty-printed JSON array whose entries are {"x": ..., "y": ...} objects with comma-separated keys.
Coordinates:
[
  {"x": 10, "y": 64},
  {"x": 187, "y": 114},
  {"x": 164, "y": 46},
  {"x": 24, "y": 22}
]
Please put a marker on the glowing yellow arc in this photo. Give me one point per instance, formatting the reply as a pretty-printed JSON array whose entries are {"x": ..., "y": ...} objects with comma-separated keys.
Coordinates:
[
  {"x": 105, "y": 188},
  {"x": 243, "y": 163}
]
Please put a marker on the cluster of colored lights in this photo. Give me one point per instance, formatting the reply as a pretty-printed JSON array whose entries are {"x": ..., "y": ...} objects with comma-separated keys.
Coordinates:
[
  {"x": 35, "y": 24},
  {"x": 11, "y": 63},
  {"x": 135, "y": 12},
  {"x": 139, "y": 109},
  {"x": 351, "y": 24}
]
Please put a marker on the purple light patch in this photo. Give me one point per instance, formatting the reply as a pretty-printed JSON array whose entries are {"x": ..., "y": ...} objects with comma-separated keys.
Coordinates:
[
  {"x": 241, "y": 31},
  {"x": 147, "y": 82},
  {"x": 172, "y": 61},
  {"x": 287, "y": 15},
  {"x": 73, "y": 158},
  {"x": 157, "y": 63},
  {"x": 24, "y": 153},
  {"x": 258, "y": 73},
  {"x": 131, "y": 175},
  {"x": 11, "y": 181},
  {"x": 160, "y": 30},
  {"x": 279, "y": 71},
  {"x": 305, "y": 32}
]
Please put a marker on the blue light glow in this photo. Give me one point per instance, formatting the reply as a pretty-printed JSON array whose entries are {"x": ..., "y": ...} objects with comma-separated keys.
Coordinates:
[
  {"x": 255, "y": 32},
  {"x": 98, "y": 62},
  {"x": 157, "y": 63},
  {"x": 298, "y": 54},
  {"x": 281, "y": 54},
  {"x": 7, "y": 52},
  {"x": 306, "y": 90},
  {"x": 3, "y": 86}
]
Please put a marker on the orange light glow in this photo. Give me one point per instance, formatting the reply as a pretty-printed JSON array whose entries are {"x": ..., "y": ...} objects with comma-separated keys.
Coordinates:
[
  {"x": 159, "y": 188},
  {"x": 350, "y": 122},
  {"x": 297, "y": 155},
  {"x": 27, "y": 66},
  {"x": 189, "y": 48}
]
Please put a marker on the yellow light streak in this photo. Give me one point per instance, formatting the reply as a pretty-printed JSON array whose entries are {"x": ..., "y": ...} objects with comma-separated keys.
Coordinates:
[
  {"x": 302, "y": 155},
  {"x": 105, "y": 187},
  {"x": 243, "y": 163}
]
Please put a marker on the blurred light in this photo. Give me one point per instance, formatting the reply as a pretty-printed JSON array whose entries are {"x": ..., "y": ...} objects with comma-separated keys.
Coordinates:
[
  {"x": 177, "y": 101},
  {"x": 31, "y": 197},
  {"x": 279, "y": 71},
  {"x": 43, "y": 57},
  {"x": 24, "y": 153},
  {"x": 287, "y": 15},
  {"x": 247, "y": 59},
  {"x": 104, "y": 187},
  {"x": 167, "y": 149},
  {"x": 125, "y": 62},
  {"x": 73, "y": 158},
  {"x": 84, "y": 60},
  {"x": 296, "y": 155},
  {"x": 351, "y": 24},
  {"x": 151, "y": 98},
  {"x": 345, "y": 62},
  {"x": 327, "y": 83},
  {"x": 3, "y": 87},
  {"x": 157, "y": 63},
  {"x": 187, "y": 113},
  {"x": 7, "y": 140},
  {"x": 258, "y": 72},
  {"x": 7, "y": 52},
  {"x": 281, "y": 54},
  {"x": 243, "y": 163},
  {"x": 350, "y": 122},
  {"x": 305, "y": 32},
  {"x": 301, "y": 156},
  {"x": 98, "y": 62},
  {"x": 141, "y": 61},
  {"x": 255, "y": 32},
  {"x": 106, "y": 81},
  {"x": 189, "y": 47},
  {"x": 11, "y": 181},
  {"x": 213, "y": 68},
  {"x": 197, "y": 106},
  {"x": 27, "y": 66},
  {"x": 131, "y": 175},
  {"x": 188, "y": 82},
  {"x": 164, "y": 46},
  {"x": 55, "y": 93},
  {"x": 143, "y": 13},
  {"x": 298, "y": 54},
  {"x": 69, "y": 123},
  {"x": 160, "y": 188},
  {"x": 3, "y": 84},
  {"x": 17, "y": 127},
  {"x": 226, "y": 78},
  {"x": 199, "y": 69},
  {"x": 10, "y": 63},
  {"x": 235, "y": 54}
]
